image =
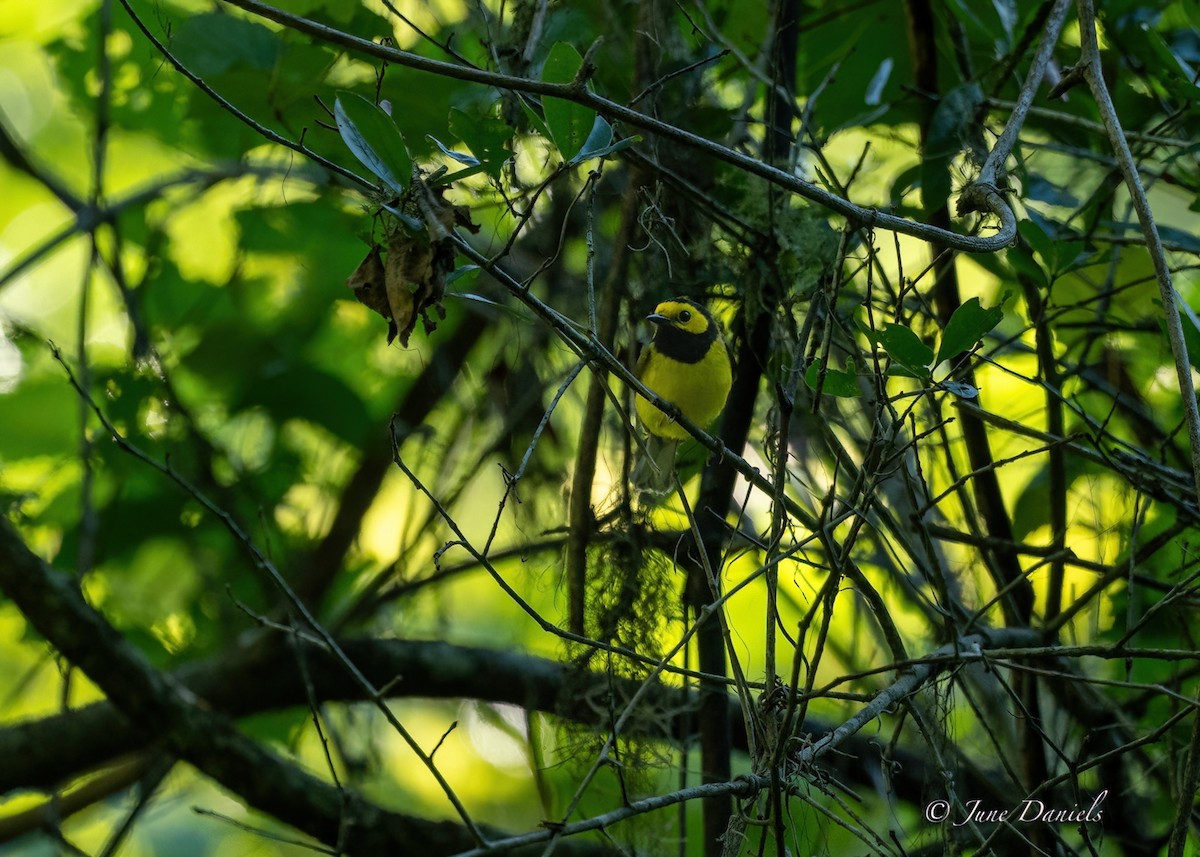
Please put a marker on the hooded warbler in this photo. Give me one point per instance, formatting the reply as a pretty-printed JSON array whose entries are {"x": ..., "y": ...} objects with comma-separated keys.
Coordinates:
[{"x": 686, "y": 364}]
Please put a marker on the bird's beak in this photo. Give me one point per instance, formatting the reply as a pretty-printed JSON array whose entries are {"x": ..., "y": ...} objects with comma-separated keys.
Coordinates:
[{"x": 657, "y": 318}]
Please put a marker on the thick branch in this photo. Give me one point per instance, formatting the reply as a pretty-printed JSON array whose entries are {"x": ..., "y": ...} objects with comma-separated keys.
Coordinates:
[
  {"x": 163, "y": 708},
  {"x": 993, "y": 167},
  {"x": 1093, "y": 73},
  {"x": 43, "y": 754}
]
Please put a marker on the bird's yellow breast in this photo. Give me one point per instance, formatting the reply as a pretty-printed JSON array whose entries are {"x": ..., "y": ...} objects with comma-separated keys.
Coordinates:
[{"x": 698, "y": 389}]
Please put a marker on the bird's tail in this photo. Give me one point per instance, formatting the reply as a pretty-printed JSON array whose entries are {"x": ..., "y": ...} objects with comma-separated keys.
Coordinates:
[{"x": 654, "y": 472}]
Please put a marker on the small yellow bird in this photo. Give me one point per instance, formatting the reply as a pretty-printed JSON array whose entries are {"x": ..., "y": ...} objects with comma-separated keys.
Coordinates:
[{"x": 686, "y": 364}]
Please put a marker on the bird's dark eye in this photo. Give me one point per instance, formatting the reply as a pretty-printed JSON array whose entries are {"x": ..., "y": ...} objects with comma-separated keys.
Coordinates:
[{"x": 685, "y": 316}]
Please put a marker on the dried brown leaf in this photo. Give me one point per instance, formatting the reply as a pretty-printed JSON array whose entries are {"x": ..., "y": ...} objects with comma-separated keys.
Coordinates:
[
  {"x": 409, "y": 270},
  {"x": 369, "y": 284},
  {"x": 411, "y": 282}
]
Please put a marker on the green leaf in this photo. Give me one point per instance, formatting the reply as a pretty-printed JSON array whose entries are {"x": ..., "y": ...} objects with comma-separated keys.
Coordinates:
[
  {"x": 1037, "y": 238},
  {"x": 570, "y": 124},
  {"x": 879, "y": 81},
  {"x": 904, "y": 184},
  {"x": 468, "y": 271},
  {"x": 1070, "y": 255},
  {"x": 967, "y": 326},
  {"x": 600, "y": 143},
  {"x": 1188, "y": 240},
  {"x": 905, "y": 347},
  {"x": 1053, "y": 241},
  {"x": 608, "y": 150},
  {"x": 1020, "y": 260},
  {"x": 960, "y": 389},
  {"x": 1007, "y": 12},
  {"x": 38, "y": 419},
  {"x": 949, "y": 130},
  {"x": 899, "y": 370},
  {"x": 312, "y": 394},
  {"x": 1043, "y": 190},
  {"x": 1191, "y": 331},
  {"x": 1175, "y": 73},
  {"x": 374, "y": 139},
  {"x": 486, "y": 136},
  {"x": 965, "y": 13},
  {"x": 844, "y": 385},
  {"x": 341, "y": 11},
  {"x": 211, "y": 44},
  {"x": 469, "y": 160}
]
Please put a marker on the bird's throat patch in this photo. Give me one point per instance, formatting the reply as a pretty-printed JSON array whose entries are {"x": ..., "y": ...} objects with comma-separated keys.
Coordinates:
[{"x": 683, "y": 346}]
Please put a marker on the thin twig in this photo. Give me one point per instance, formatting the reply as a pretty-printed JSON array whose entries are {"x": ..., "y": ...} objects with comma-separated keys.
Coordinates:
[
  {"x": 1093, "y": 72},
  {"x": 263, "y": 563},
  {"x": 984, "y": 198}
]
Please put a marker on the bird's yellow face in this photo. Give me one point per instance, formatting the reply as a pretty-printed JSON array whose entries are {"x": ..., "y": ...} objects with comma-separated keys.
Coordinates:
[{"x": 681, "y": 315}]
